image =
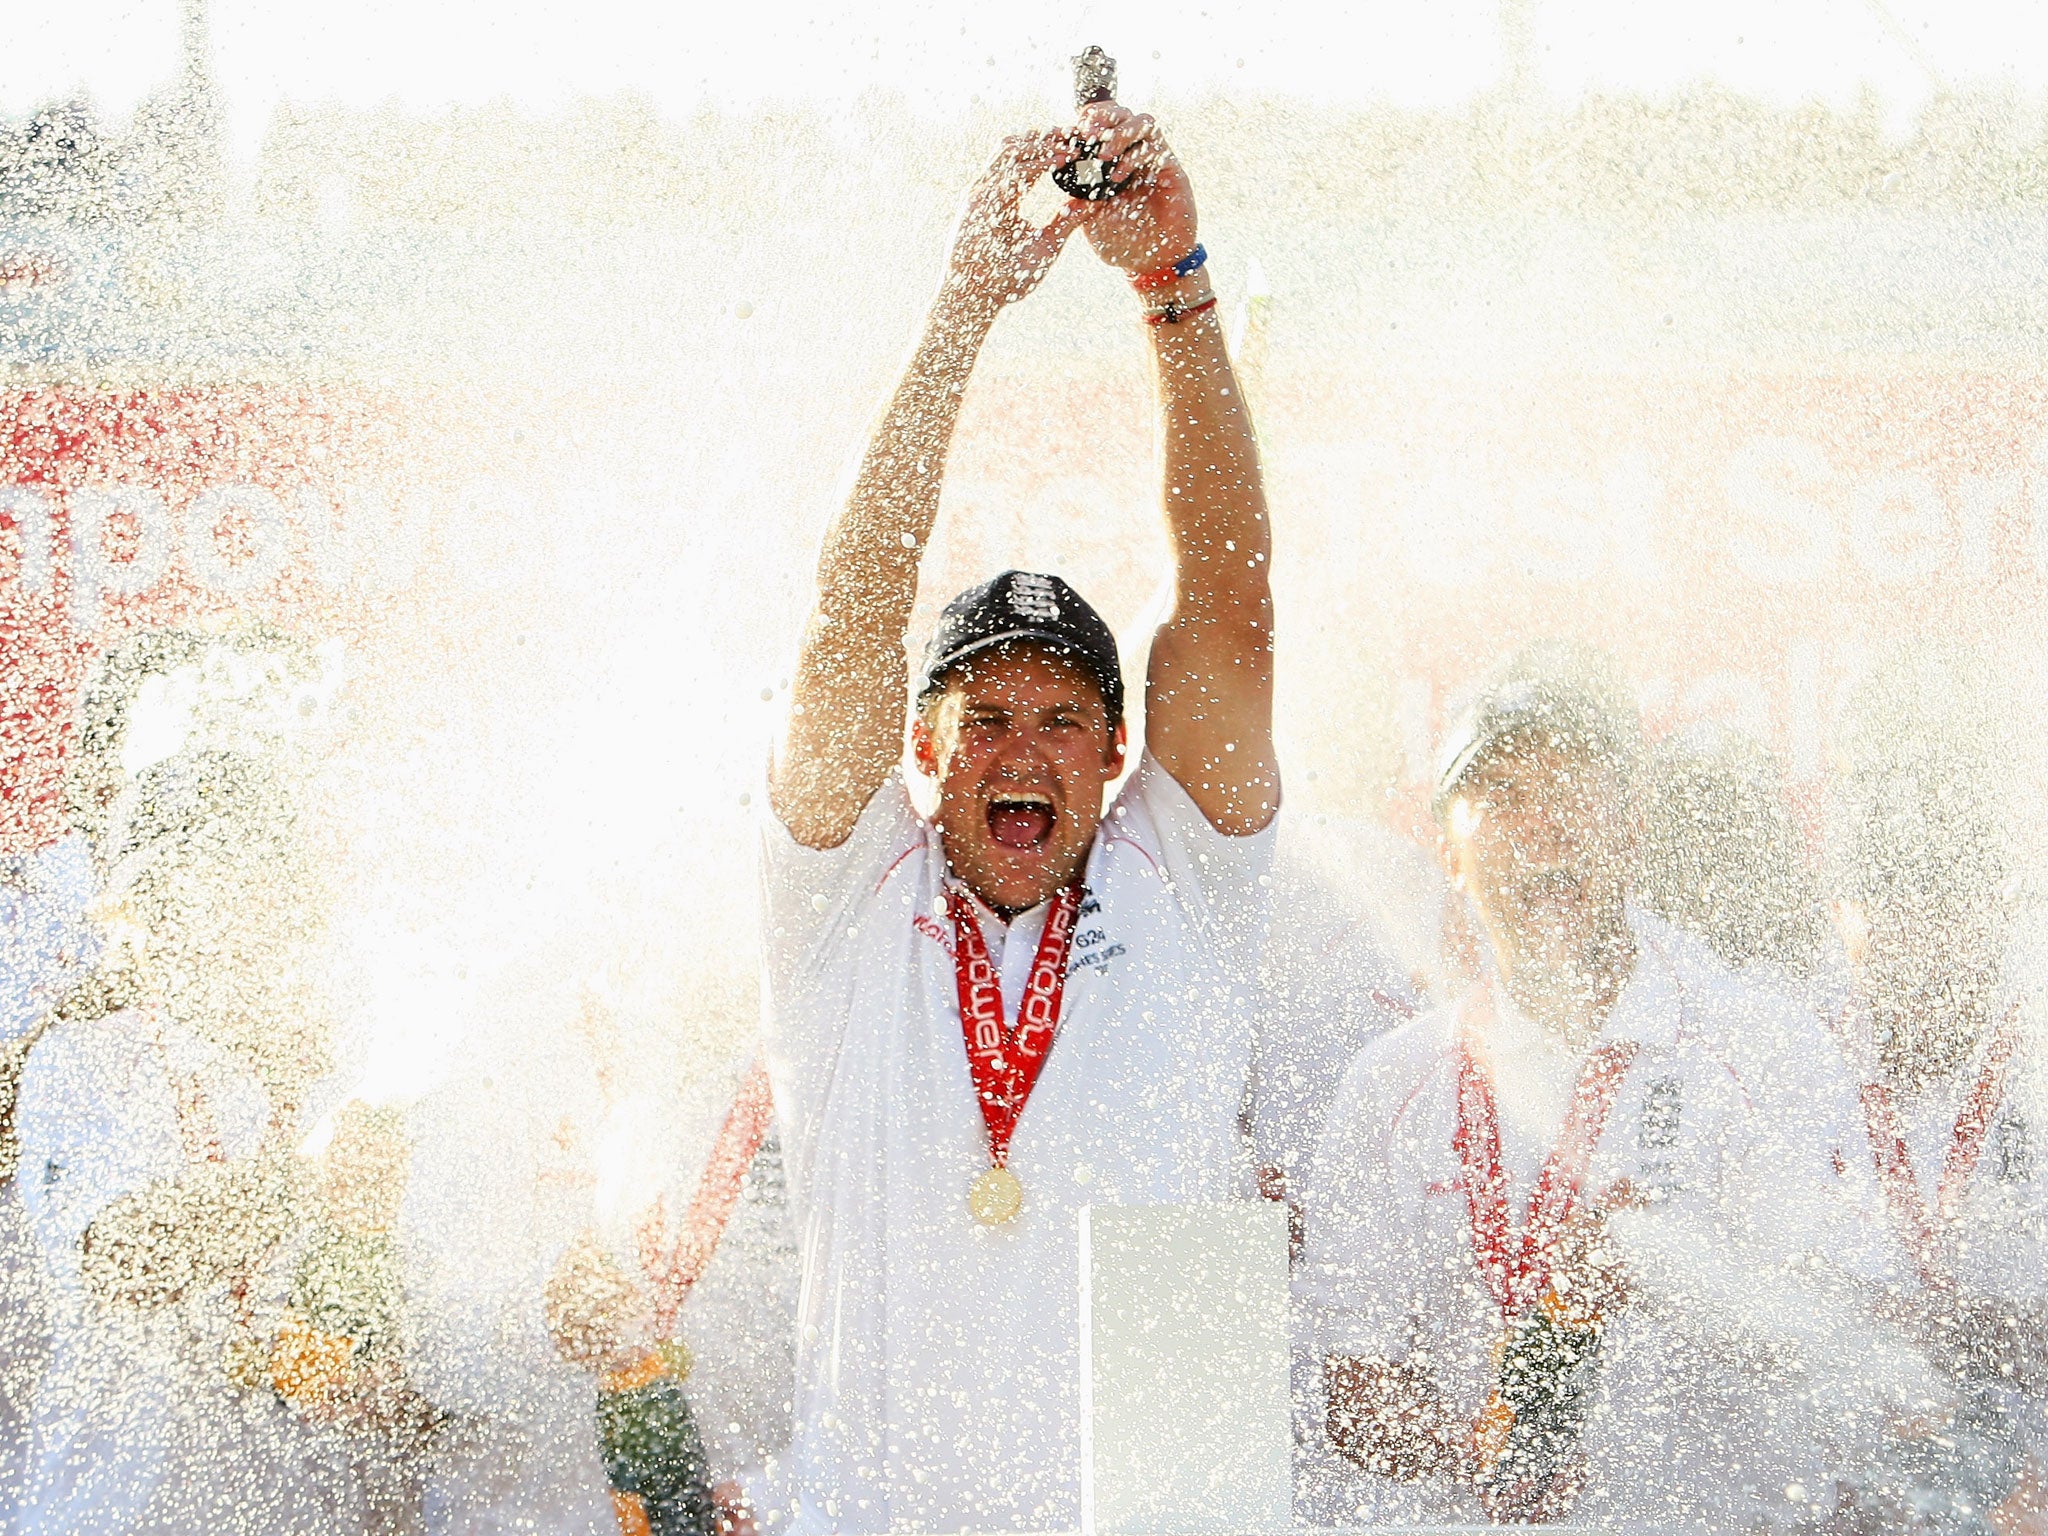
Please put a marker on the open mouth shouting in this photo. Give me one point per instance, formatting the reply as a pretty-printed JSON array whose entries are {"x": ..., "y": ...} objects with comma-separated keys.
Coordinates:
[{"x": 1021, "y": 818}]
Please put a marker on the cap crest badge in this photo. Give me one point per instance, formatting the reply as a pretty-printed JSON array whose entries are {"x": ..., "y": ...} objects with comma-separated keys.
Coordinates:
[{"x": 1032, "y": 597}]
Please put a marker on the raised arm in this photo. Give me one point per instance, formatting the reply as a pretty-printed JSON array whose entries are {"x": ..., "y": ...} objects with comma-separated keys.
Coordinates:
[
  {"x": 1209, "y": 691},
  {"x": 845, "y": 726}
]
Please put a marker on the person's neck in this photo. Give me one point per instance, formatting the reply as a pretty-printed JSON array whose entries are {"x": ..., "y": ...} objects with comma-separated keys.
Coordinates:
[
  {"x": 1571, "y": 1002},
  {"x": 1005, "y": 913}
]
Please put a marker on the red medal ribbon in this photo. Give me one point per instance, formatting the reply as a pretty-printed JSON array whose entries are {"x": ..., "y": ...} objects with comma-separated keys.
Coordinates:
[
  {"x": 1004, "y": 1062},
  {"x": 672, "y": 1268},
  {"x": 198, "y": 1135},
  {"x": 1518, "y": 1273},
  {"x": 1923, "y": 1231}
]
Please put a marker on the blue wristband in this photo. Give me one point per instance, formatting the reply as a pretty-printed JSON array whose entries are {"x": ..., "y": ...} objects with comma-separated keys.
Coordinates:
[{"x": 1187, "y": 266}]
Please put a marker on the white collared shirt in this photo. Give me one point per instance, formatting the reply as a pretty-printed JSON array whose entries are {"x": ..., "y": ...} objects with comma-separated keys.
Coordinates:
[{"x": 937, "y": 1361}]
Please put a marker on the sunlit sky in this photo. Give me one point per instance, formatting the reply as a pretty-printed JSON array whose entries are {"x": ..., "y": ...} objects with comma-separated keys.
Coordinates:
[{"x": 540, "y": 52}]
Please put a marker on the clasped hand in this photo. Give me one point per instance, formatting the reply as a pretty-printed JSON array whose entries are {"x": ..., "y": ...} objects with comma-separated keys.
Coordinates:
[{"x": 999, "y": 255}]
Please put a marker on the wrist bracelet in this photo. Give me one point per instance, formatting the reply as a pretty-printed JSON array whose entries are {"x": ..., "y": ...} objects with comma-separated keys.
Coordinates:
[
  {"x": 1172, "y": 312},
  {"x": 1187, "y": 266}
]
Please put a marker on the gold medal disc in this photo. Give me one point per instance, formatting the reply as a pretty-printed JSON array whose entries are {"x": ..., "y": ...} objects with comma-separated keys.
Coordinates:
[{"x": 995, "y": 1197}]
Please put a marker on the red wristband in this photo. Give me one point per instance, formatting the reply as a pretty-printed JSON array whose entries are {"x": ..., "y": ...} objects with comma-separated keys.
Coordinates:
[{"x": 1187, "y": 266}]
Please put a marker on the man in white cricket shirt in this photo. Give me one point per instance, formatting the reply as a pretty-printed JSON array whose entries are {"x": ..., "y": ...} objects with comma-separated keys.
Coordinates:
[
  {"x": 1942, "y": 1029},
  {"x": 46, "y": 946},
  {"x": 158, "y": 1181},
  {"x": 1541, "y": 1238},
  {"x": 979, "y": 1023}
]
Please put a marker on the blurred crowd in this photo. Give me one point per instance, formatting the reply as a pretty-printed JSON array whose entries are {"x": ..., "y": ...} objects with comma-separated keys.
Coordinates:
[
  {"x": 558, "y": 1292},
  {"x": 240, "y": 1298}
]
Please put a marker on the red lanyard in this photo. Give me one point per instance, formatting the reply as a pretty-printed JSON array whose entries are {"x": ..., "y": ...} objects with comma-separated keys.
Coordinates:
[
  {"x": 200, "y": 1140},
  {"x": 1517, "y": 1274},
  {"x": 1004, "y": 1062},
  {"x": 672, "y": 1268},
  {"x": 1920, "y": 1229},
  {"x": 198, "y": 1134}
]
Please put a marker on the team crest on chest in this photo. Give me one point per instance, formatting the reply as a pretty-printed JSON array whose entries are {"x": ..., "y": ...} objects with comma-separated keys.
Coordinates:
[
  {"x": 2011, "y": 1153},
  {"x": 1094, "y": 949},
  {"x": 1657, "y": 1137}
]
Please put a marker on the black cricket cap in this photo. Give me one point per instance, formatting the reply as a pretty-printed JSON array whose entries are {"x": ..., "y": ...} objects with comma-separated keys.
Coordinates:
[{"x": 1024, "y": 608}]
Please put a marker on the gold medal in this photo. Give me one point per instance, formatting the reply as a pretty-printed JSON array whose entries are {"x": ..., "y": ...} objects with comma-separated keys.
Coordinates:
[{"x": 995, "y": 1197}]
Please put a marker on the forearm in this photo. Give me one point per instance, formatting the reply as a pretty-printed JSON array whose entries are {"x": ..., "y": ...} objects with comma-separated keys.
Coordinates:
[
  {"x": 845, "y": 721},
  {"x": 870, "y": 559},
  {"x": 150, "y": 1248},
  {"x": 1214, "y": 491}
]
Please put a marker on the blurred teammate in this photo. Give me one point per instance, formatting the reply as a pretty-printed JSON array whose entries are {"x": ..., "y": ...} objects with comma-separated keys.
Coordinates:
[
  {"x": 156, "y": 1123},
  {"x": 1542, "y": 1255},
  {"x": 1943, "y": 1028},
  {"x": 226, "y": 1350},
  {"x": 679, "y": 1299},
  {"x": 935, "y": 1174},
  {"x": 599, "y": 1267},
  {"x": 1723, "y": 860},
  {"x": 47, "y": 945}
]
